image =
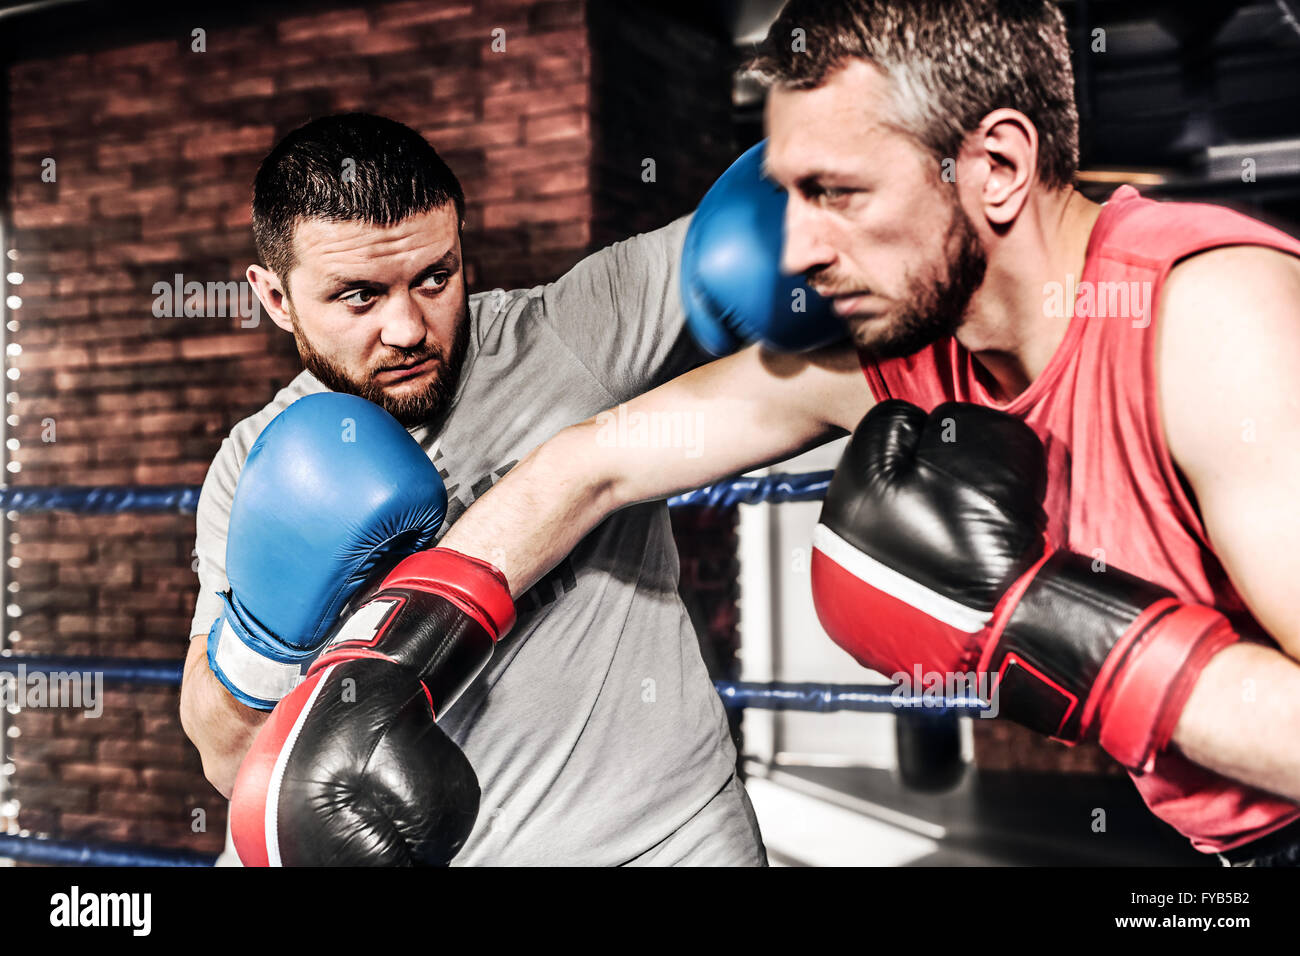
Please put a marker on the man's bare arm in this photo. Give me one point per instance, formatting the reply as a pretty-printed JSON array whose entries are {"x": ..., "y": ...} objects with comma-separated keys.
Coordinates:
[
  {"x": 1230, "y": 398},
  {"x": 218, "y": 725},
  {"x": 741, "y": 412},
  {"x": 1240, "y": 720}
]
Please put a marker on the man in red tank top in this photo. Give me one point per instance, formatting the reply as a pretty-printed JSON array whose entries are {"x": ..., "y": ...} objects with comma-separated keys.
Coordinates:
[{"x": 928, "y": 154}]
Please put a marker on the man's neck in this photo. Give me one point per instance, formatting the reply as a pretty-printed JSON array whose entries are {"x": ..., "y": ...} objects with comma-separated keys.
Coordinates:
[{"x": 1019, "y": 316}]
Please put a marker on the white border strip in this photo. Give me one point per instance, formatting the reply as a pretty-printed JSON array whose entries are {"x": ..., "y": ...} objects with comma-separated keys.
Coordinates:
[
  {"x": 883, "y": 578},
  {"x": 812, "y": 831},
  {"x": 904, "y": 821},
  {"x": 271, "y": 822},
  {"x": 759, "y": 581},
  {"x": 255, "y": 674}
]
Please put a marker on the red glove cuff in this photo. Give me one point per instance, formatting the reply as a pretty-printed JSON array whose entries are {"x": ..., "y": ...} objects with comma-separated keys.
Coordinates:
[
  {"x": 1141, "y": 708},
  {"x": 474, "y": 586}
]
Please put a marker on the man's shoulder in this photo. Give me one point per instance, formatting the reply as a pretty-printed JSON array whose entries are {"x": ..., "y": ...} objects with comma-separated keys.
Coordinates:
[
  {"x": 1137, "y": 229},
  {"x": 488, "y": 309},
  {"x": 491, "y": 301},
  {"x": 644, "y": 256}
]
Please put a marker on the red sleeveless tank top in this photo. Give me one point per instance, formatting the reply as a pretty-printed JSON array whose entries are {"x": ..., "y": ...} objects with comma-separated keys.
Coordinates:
[{"x": 1113, "y": 490}]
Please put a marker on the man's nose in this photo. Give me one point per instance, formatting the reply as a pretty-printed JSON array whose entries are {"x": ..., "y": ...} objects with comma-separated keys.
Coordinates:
[
  {"x": 803, "y": 249},
  {"x": 403, "y": 324}
]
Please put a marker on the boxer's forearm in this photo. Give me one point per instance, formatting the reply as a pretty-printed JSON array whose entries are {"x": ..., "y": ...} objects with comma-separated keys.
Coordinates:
[
  {"x": 721, "y": 419},
  {"x": 1241, "y": 717},
  {"x": 551, "y": 500},
  {"x": 526, "y": 523},
  {"x": 218, "y": 725}
]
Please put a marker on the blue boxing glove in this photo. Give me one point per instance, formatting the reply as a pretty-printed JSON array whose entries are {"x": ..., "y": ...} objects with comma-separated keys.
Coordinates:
[
  {"x": 732, "y": 286},
  {"x": 333, "y": 490}
]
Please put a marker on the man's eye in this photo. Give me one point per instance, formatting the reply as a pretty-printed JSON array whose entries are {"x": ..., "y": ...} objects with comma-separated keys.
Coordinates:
[
  {"x": 353, "y": 298},
  {"x": 436, "y": 281}
]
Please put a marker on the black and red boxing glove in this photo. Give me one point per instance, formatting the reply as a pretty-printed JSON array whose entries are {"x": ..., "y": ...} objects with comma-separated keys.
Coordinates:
[
  {"x": 351, "y": 768},
  {"x": 931, "y": 553}
]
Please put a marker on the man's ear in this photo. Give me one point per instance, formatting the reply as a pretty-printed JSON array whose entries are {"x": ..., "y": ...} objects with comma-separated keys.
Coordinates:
[
  {"x": 1007, "y": 143},
  {"x": 271, "y": 294}
]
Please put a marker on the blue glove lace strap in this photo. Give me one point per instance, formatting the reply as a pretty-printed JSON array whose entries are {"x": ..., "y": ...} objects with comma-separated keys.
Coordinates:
[{"x": 251, "y": 662}]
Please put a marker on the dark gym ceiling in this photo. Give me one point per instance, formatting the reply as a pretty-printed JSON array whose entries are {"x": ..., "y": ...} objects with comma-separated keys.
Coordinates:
[{"x": 1182, "y": 88}]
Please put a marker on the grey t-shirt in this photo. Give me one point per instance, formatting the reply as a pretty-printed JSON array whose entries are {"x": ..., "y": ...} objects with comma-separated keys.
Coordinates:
[{"x": 595, "y": 731}]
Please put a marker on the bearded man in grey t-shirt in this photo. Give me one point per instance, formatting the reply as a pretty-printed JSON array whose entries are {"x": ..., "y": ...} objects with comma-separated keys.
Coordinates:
[{"x": 594, "y": 731}]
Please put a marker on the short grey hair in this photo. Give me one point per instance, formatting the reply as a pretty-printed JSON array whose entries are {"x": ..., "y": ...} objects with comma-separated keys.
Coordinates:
[{"x": 949, "y": 62}]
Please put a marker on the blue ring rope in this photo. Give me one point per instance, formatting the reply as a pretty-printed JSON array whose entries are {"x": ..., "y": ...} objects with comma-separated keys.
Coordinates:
[
  {"x": 775, "y": 695},
  {"x": 184, "y": 499},
  {"x": 76, "y": 853}
]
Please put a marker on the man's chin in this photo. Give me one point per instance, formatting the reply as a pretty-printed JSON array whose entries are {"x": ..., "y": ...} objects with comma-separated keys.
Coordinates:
[
  {"x": 403, "y": 388},
  {"x": 883, "y": 336},
  {"x": 410, "y": 402},
  {"x": 878, "y": 334},
  {"x": 865, "y": 327}
]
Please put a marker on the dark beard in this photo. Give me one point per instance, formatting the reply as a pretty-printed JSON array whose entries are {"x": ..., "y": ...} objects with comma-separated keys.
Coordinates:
[
  {"x": 410, "y": 410},
  {"x": 933, "y": 311}
]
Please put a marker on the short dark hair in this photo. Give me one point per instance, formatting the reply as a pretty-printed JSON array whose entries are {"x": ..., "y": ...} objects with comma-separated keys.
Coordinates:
[
  {"x": 349, "y": 167},
  {"x": 950, "y": 63}
]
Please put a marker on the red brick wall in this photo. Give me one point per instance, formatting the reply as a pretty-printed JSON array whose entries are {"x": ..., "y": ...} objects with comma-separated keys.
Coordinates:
[{"x": 155, "y": 147}]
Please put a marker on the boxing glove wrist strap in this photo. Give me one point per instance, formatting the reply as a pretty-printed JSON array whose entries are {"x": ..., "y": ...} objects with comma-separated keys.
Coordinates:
[
  {"x": 1145, "y": 699},
  {"x": 252, "y": 663},
  {"x": 1081, "y": 654},
  {"x": 438, "y": 613}
]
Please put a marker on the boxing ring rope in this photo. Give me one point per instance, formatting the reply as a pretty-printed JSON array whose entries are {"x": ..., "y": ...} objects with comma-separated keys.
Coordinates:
[
  {"x": 829, "y": 698},
  {"x": 76, "y": 853},
  {"x": 774, "y": 695},
  {"x": 183, "y": 499},
  {"x": 107, "y": 499},
  {"x": 120, "y": 670}
]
